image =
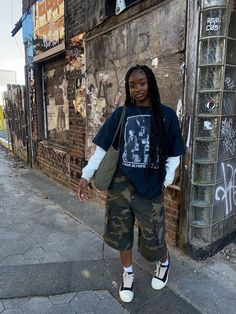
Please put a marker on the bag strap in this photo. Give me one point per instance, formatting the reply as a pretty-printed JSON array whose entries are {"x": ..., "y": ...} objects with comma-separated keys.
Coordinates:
[{"x": 120, "y": 126}]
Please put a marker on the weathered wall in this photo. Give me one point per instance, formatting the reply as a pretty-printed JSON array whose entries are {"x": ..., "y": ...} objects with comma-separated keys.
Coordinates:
[
  {"x": 75, "y": 56},
  {"x": 54, "y": 162},
  {"x": 17, "y": 119},
  {"x": 52, "y": 153},
  {"x": 77, "y": 107},
  {"x": 55, "y": 91},
  {"x": 142, "y": 40},
  {"x": 156, "y": 38},
  {"x": 61, "y": 154}
]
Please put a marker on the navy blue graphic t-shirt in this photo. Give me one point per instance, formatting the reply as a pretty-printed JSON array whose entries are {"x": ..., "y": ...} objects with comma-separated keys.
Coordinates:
[{"x": 134, "y": 146}]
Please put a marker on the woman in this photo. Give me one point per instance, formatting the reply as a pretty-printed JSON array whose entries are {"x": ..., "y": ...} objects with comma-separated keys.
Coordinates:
[{"x": 136, "y": 190}]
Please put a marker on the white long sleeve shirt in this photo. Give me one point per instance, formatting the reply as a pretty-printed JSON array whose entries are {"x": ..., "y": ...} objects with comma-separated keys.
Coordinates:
[{"x": 93, "y": 163}]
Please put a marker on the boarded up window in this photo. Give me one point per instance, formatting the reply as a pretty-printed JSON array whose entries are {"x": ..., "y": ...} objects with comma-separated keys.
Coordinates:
[{"x": 56, "y": 103}]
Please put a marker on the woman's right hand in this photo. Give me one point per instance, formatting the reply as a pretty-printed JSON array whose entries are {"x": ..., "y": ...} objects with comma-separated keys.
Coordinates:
[{"x": 82, "y": 192}]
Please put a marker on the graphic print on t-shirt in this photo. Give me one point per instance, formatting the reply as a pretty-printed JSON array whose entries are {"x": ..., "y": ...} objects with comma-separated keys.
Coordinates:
[{"x": 136, "y": 139}]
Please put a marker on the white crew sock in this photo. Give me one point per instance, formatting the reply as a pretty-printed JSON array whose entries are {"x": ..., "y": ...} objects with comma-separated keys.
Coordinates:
[
  {"x": 128, "y": 269},
  {"x": 166, "y": 263}
]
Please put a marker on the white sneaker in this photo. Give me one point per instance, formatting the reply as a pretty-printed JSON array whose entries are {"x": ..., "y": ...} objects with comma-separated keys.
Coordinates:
[
  {"x": 126, "y": 291},
  {"x": 160, "y": 277}
]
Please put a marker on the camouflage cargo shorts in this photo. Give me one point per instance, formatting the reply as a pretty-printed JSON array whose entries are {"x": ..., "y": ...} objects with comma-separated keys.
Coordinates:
[{"x": 123, "y": 205}]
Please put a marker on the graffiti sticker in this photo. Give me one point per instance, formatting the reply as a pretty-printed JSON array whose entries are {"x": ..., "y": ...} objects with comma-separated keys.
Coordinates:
[
  {"x": 213, "y": 24},
  {"x": 211, "y": 104}
]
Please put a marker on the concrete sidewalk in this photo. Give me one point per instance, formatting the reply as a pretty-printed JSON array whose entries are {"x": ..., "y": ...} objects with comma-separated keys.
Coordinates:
[{"x": 51, "y": 258}]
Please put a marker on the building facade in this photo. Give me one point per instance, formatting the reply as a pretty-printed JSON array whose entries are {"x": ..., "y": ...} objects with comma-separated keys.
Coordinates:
[{"x": 77, "y": 53}]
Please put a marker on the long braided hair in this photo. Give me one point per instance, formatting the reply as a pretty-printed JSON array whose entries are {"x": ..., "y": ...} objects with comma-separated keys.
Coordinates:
[{"x": 158, "y": 143}]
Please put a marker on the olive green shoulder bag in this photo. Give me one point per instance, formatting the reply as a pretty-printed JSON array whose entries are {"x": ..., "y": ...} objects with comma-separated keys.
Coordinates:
[{"x": 106, "y": 170}]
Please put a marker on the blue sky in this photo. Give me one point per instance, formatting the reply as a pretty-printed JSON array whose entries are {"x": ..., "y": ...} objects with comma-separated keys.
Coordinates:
[{"x": 12, "y": 49}]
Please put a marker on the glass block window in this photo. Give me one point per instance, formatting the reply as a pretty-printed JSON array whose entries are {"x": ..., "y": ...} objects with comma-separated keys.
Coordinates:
[
  {"x": 200, "y": 236},
  {"x": 205, "y": 150},
  {"x": 209, "y": 103},
  {"x": 207, "y": 127},
  {"x": 218, "y": 213},
  {"x": 232, "y": 24},
  {"x": 230, "y": 79},
  {"x": 228, "y": 104},
  {"x": 210, "y": 77},
  {"x": 211, "y": 51},
  {"x": 231, "y": 51},
  {"x": 203, "y": 173},
  {"x": 213, "y": 200},
  {"x": 212, "y": 3},
  {"x": 213, "y": 23},
  {"x": 201, "y": 216}
]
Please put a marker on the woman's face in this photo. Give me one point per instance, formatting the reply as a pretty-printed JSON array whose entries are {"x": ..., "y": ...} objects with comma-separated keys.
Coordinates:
[{"x": 138, "y": 88}]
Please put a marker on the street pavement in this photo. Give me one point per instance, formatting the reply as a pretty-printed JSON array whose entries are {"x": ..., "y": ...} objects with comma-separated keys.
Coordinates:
[{"x": 52, "y": 258}]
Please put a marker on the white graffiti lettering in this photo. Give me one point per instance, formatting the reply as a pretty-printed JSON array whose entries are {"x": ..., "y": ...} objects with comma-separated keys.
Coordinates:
[
  {"x": 227, "y": 193},
  {"x": 228, "y": 134},
  {"x": 230, "y": 83},
  {"x": 213, "y": 24}
]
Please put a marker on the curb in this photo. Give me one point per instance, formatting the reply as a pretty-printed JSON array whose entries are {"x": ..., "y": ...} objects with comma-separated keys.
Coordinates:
[{"x": 6, "y": 144}]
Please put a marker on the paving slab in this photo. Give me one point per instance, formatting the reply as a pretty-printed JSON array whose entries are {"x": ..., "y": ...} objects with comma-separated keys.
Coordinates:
[{"x": 86, "y": 302}]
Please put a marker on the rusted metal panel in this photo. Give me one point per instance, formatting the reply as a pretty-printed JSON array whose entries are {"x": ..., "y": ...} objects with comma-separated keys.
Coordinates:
[{"x": 156, "y": 39}]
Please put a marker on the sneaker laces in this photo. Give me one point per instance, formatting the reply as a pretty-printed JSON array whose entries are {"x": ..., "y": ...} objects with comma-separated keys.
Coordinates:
[
  {"x": 160, "y": 270},
  {"x": 157, "y": 270},
  {"x": 128, "y": 280}
]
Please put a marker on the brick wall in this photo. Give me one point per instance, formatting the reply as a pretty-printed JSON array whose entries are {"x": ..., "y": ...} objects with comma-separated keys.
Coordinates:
[
  {"x": 75, "y": 17},
  {"x": 54, "y": 162},
  {"x": 75, "y": 22},
  {"x": 172, "y": 215}
]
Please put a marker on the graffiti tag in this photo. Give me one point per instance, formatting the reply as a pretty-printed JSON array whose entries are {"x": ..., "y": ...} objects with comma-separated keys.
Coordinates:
[
  {"x": 228, "y": 134},
  {"x": 227, "y": 193},
  {"x": 230, "y": 83},
  {"x": 213, "y": 24}
]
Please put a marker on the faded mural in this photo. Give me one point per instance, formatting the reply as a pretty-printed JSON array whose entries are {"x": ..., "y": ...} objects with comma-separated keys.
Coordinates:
[
  {"x": 48, "y": 24},
  {"x": 55, "y": 91}
]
